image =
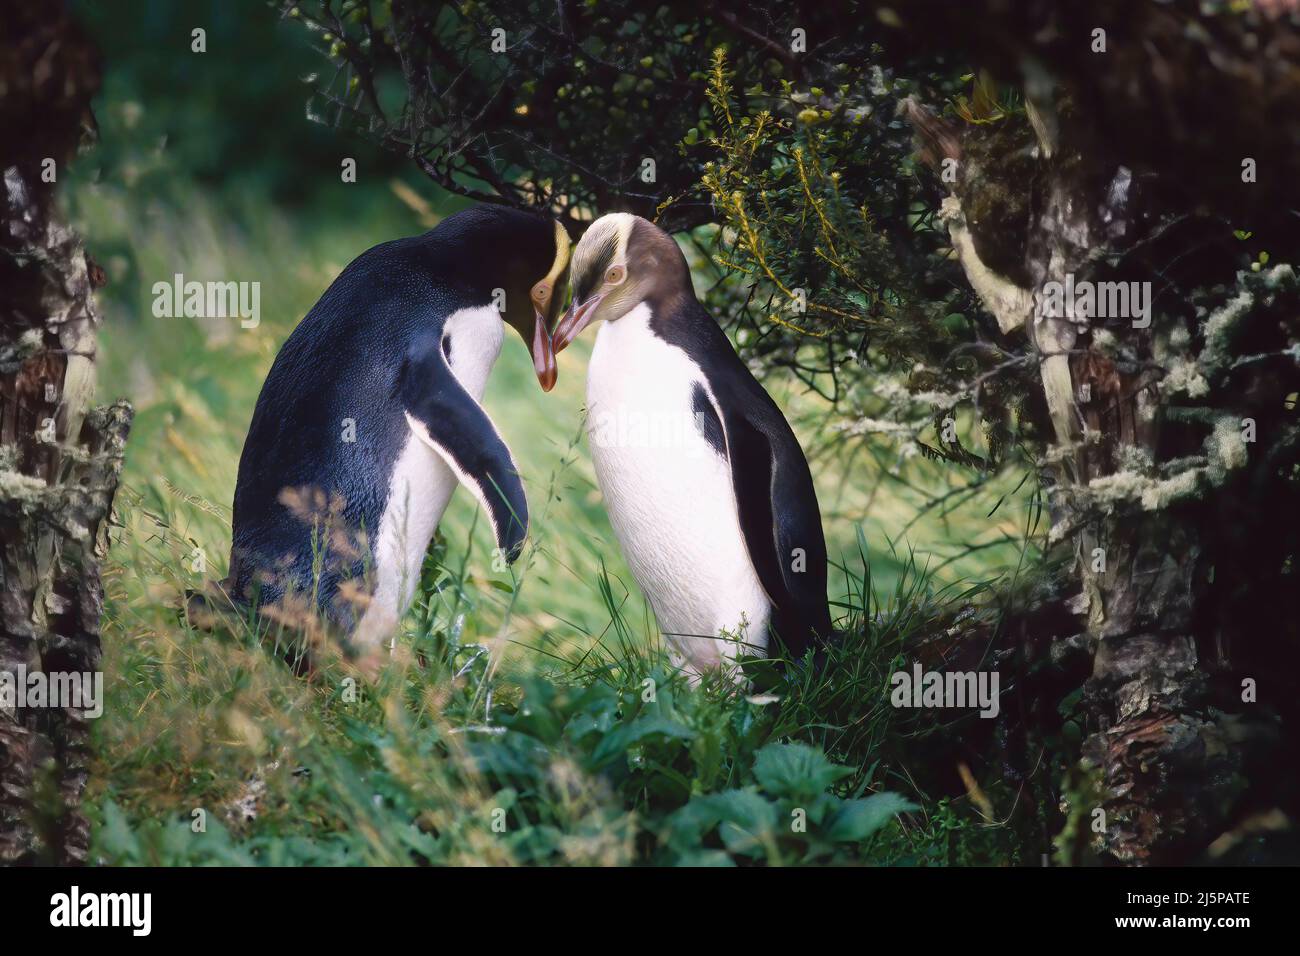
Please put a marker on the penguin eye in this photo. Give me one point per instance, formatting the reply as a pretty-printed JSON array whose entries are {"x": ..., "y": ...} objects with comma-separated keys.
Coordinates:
[{"x": 615, "y": 275}]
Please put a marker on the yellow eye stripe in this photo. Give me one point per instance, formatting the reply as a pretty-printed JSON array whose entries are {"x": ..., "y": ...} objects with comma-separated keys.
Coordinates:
[{"x": 561, "y": 256}]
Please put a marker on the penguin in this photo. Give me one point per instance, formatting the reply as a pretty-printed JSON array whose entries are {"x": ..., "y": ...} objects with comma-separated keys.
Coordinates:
[
  {"x": 706, "y": 486},
  {"x": 370, "y": 417}
]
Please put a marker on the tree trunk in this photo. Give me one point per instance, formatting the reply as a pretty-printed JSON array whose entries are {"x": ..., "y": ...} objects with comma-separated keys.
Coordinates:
[
  {"x": 59, "y": 458},
  {"x": 1128, "y": 167}
]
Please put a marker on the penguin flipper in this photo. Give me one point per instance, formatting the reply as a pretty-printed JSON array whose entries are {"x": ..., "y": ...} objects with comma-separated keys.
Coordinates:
[
  {"x": 781, "y": 524},
  {"x": 447, "y": 418}
]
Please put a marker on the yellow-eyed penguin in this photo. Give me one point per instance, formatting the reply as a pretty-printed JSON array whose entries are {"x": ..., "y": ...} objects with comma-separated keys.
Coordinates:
[
  {"x": 370, "y": 416},
  {"x": 706, "y": 486}
]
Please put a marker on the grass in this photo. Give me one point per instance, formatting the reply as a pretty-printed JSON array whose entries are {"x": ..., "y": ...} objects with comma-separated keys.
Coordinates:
[{"x": 528, "y": 716}]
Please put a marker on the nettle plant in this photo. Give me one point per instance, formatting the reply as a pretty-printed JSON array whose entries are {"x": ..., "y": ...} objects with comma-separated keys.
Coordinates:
[{"x": 703, "y": 782}]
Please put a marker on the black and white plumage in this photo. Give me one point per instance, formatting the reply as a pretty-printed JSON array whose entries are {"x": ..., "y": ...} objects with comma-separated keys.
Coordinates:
[
  {"x": 370, "y": 416},
  {"x": 706, "y": 486}
]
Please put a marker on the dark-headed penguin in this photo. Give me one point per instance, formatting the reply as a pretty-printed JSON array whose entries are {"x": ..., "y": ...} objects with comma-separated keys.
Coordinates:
[
  {"x": 706, "y": 486},
  {"x": 370, "y": 416}
]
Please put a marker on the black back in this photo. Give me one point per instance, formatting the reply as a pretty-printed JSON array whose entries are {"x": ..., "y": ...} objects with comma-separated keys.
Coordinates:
[{"x": 345, "y": 361}]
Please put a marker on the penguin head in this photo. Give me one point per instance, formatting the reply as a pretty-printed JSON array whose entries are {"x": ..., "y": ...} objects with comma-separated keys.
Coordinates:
[
  {"x": 622, "y": 260},
  {"x": 525, "y": 255}
]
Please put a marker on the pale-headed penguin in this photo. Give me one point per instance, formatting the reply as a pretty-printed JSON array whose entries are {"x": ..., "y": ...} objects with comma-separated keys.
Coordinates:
[{"x": 706, "y": 485}]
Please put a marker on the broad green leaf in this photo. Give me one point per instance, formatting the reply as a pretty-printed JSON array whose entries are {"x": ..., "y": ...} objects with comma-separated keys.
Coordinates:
[
  {"x": 628, "y": 734},
  {"x": 796, "y": 770},
  {"x": 858, "y": 819}
]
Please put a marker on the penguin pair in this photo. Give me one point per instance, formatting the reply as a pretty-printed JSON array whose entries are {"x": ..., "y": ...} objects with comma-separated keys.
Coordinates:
[{"x": 371, "y": 415}]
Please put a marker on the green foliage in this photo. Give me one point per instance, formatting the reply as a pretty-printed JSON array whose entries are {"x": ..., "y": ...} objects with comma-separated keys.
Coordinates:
[
  {"x": 847, "y": 276},
  {"x": 783, "y": 181},
  {"x": 521, "y": 102},
  {"x": 694, "y": 774},
  {"x": 619, "y": 765}
]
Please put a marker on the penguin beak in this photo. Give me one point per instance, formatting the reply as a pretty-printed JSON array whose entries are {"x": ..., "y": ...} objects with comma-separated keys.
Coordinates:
[
  {"x": 543, "y": 353},
  {"x": 575, "y": 320}
]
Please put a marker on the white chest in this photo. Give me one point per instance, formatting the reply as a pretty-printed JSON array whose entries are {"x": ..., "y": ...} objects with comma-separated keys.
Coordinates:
[
  {"x": 669, "y": 493},
  {"x": 475, "y": 337}
]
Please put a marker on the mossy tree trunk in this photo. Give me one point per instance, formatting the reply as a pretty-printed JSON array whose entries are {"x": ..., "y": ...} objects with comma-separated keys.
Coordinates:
[
  {"x": 1170, "y": 456},
  {"x": 59, "y": 457}
]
